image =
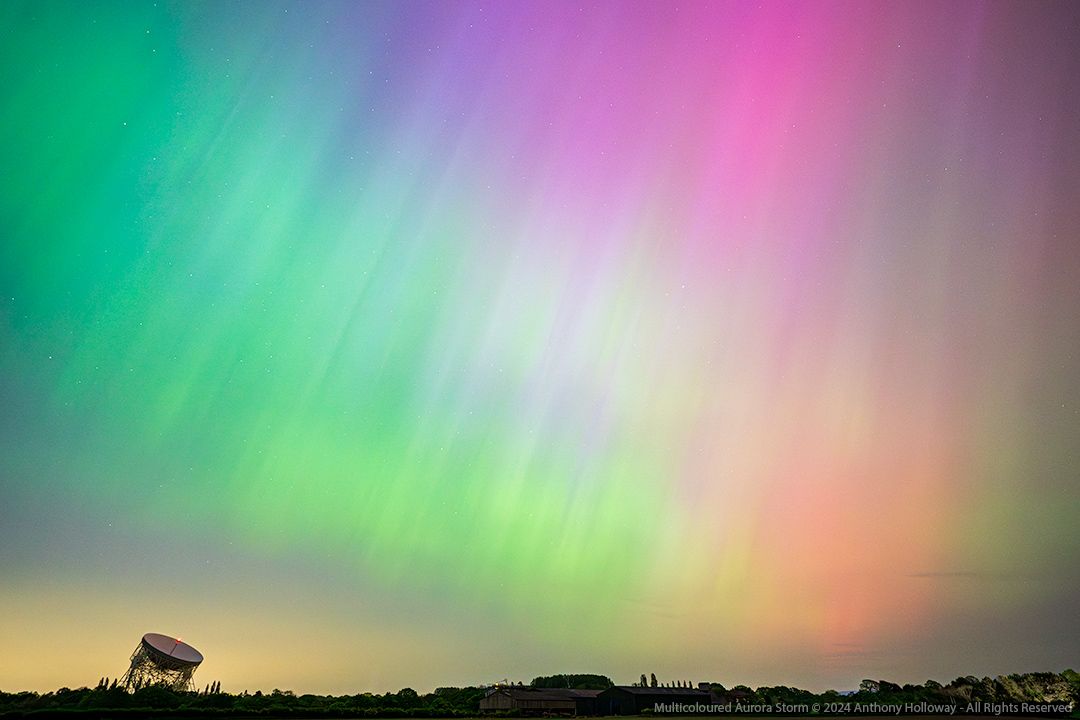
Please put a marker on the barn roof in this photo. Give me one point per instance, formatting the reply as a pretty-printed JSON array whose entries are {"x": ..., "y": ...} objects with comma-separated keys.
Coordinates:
[{"x": 520, "y": 693}]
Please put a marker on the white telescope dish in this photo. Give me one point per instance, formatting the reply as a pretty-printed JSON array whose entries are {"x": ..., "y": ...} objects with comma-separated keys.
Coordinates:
[{"x": 171, "y": 650}]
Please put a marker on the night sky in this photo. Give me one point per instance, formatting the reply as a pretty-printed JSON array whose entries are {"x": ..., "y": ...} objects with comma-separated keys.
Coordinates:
[{"x": 367, "y": 345}]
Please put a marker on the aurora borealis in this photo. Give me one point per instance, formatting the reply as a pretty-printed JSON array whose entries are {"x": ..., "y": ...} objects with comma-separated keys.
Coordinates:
[{"x": 368, "y": 345}]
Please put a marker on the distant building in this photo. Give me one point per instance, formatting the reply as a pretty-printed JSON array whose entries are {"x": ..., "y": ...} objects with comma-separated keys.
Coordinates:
[
  {"x": 624, "y": 700},
  {"x": 541, "y": 701}
]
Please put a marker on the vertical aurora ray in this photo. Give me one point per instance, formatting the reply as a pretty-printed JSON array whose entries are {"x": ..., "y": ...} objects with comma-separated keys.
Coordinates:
[{"x": 750, "y": 328}]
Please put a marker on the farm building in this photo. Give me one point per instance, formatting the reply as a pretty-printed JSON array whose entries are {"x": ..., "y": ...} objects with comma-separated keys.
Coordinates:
[
  {"x": 623, "y": 700},
  {"x": 541, "y": 701}
]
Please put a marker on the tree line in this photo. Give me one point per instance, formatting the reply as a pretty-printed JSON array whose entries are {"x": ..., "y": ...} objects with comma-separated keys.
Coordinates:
[{"x": 111, "y": 701}]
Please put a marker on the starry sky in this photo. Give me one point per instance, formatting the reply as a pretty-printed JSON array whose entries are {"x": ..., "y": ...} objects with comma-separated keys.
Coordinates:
[{"x": 367, "y": 345}]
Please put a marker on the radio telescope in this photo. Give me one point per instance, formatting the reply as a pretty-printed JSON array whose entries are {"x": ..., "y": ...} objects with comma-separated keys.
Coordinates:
[{"x": 162, "y": 660}]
